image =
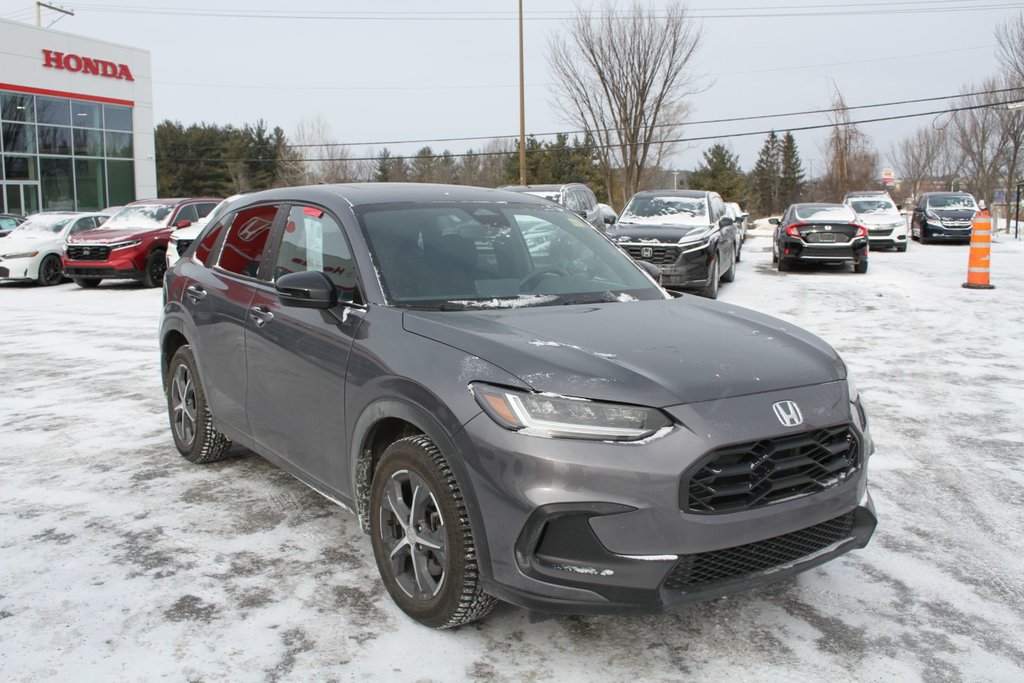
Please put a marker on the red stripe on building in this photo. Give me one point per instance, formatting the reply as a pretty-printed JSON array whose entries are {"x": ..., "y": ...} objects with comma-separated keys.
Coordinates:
[{"x": 69, "y": 95}]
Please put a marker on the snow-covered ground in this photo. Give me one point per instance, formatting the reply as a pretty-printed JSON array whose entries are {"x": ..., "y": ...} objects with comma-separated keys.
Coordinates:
[{"x": 121, "y": 561}]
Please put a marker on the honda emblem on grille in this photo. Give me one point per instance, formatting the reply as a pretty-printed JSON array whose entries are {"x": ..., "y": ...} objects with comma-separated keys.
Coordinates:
[
  {"x": 788, "y": 413},
  {"x": 85, "y": 252},
  {"x": 828, "y": 227},
  {"x": 646, "y": 252}
]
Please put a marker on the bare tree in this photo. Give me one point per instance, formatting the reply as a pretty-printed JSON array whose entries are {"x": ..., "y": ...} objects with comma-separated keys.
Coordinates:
[
  {"x": 1010, "y": 53},
  {"x": 485, "y": 169},
  {"x": 624, "y": 77},
  {"x": 321, "y": 160},
  {"x": 919, "y": 156},
  {"x": 851, "y": 162},
  {"x": 980, "y": 136}
]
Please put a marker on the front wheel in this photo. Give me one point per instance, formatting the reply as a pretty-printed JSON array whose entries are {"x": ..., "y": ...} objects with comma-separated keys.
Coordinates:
[
  {"x": 710, "y": 290},
  {"x": 156, "y": 266},
  {"x": 191, "y": 422},
  {"x": 87, "y": 282},
  {"x": 50, "y": 271},
  {"x": 422, "y": 539},
  {"x": 901, "y": 247},
  {"x": 730, "y": 275}
]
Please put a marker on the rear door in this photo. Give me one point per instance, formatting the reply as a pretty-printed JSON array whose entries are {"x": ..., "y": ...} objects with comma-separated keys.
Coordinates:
[{"x": 297, "y": 357}]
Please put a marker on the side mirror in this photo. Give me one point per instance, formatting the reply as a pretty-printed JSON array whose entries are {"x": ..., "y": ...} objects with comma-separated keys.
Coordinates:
[
  {"x": 651, "y": 269},
  {"x": 182, "y": 224},
  {"x": 774, "y": 221},
  {"x": 609, "y": 218},
  {"x": 725, "y": 221},
  {"x": 306, "y": 289}
]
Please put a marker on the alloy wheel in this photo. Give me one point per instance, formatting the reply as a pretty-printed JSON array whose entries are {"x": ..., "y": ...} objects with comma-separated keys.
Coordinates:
[
  {"x": 183, "y": 405},
  {"x": 413, "y": 535}
]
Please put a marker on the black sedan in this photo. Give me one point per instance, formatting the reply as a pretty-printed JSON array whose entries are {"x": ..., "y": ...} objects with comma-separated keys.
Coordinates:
[{"x": 819, "y": 233}]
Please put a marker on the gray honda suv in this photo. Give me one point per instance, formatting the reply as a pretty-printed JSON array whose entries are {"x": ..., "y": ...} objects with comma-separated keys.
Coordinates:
[{"x": 513, "y": 407}]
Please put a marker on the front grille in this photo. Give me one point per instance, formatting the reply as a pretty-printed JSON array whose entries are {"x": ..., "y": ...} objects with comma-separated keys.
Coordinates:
[
  {"x": 759, "y": 473},
  {"x": 660, "y": 255},
  {"x": 734, "y": 563},
  {"x": 88, "y": 252},
  {"x": 183, "y": 246},
  {"x": 883, "y": 232}
]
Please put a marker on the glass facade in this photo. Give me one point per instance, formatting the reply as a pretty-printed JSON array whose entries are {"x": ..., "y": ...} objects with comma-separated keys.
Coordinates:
[{"x": 60, "y": 153}]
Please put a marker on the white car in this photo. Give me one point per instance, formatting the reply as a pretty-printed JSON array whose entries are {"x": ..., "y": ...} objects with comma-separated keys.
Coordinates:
[
  {"x": 32, "y": 251},
  {"x": 877, "y": 212}
]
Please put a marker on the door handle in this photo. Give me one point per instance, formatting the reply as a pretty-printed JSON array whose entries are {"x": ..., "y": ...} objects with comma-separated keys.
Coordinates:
[
  {"x": 260, "y": 315},
  {"x": 195, "y": 293}
]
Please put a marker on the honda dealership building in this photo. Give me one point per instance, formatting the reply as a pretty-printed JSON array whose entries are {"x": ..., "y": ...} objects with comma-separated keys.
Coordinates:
[{"x": 77, "y": 122}]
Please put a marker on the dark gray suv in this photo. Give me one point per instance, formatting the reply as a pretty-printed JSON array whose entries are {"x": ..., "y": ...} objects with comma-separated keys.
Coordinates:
[{"x": 512, "y": 406}]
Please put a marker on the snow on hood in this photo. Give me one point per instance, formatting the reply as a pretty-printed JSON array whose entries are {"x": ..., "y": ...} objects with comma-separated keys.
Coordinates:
[
  {"x": 34, "y": 240},
  {"x": 656, "y": 353},
  {"x": 112, "y": 236}
]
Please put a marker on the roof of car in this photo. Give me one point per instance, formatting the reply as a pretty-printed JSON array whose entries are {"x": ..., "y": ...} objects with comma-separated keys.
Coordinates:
[
  {"x": 672, "y": 193},
  {"x": 174, "y": 200},
  {"x": 360, "y": 194},
  {"x": 925, "y": 194}
]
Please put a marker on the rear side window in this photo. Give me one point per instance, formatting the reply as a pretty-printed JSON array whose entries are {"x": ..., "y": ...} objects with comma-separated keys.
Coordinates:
[
  {"x": 205, "y": 246},
  {"x": 205, "y": 208},
  {"x": 313, "y": 240},
  {"x": 247, "y": 239}
]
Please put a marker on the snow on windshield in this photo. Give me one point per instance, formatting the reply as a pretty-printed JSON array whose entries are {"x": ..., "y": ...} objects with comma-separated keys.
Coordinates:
[
  {"x": 140, "y": 216},
  {"x": 952, "y": 202},
  {"x": 43, "y": 223},
  {"x": 825, "y": 212},
  {"x": 866, "y": 206},
  {"x": 666, "y": 210}
]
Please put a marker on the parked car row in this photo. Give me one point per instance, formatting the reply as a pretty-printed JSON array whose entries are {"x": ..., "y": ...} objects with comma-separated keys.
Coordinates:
[{"x": 128, "y": 242}]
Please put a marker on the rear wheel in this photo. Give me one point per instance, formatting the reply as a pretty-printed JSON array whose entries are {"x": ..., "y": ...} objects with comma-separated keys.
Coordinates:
[
  {"x": 783, "y": 265},
  {"x": 50, "y": 271},
  {"x": 860, "y": 266},
  {"x": 87, "y": 282},
  {"x": 422, "y": 539},
  {"x": 191, "y": 422},
  {"x": 156, "y": 265}
]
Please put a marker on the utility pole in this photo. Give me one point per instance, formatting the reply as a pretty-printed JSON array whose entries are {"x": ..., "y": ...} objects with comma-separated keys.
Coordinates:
[
  {"x": 39, "y": 12},
  {"x": 522, "y": 104}
]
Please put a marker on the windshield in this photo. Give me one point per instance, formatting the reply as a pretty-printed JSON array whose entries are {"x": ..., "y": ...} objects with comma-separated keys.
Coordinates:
[
  {"x": 825, "y": 212},
  {"x": 473, "y": 255},
  {"x": 879, "y": 205},
  {"x": 42, "y": 223},
  {"x": 666, "y": 210},
  {"x": 139, "y": 216},
  {"x": 952, "y": 202}
]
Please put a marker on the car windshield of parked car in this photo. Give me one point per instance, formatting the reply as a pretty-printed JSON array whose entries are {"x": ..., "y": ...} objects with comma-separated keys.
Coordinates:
[
  {"x": 825, "y": 212},
  {"x": 873, "y": 206},
  {"x": 473, "y": 255},
  {"x": 666, "y": 210},
  {"x": 550, "y": 195},
  {"x": 952, "y": 202},
  {"x": 139, "y": 216},
  {"x": 42, "y": 223}
]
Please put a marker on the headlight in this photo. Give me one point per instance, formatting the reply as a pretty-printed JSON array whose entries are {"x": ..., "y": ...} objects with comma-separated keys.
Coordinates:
[
  {"x": 562, "y": 417},
  {"x": 125, "y": 245},
  {"x": 856, "y": 407},
  {"x": 23, "y": 254}
]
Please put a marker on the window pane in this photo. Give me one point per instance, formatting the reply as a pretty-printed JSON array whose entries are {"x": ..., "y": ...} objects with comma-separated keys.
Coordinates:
[
  {"x": 54, "y": 140},
  {"x": 117, "y": 118},
  {"x": 85, "y": 115},
  {"x": 16, "y": 108},
  {"x": 88, "y": 143},
  {"x": 187, "y": 213},
  {"x": 313, "y": 240},
  {"x": 119, "y": 145},
  {"x": 209, "y": 240},
  {"x": 56, "y": 183},
  {"x": 20, "y": 168},
  {"x": 19, "y": 137},
  {"x": 52, "y": 110},
  {"x": 89, "y": 184},
  {"x": 244, "y": 246},
  {"x": 120, "y": 182}
]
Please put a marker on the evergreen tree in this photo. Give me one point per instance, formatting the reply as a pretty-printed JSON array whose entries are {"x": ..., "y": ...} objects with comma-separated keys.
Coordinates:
[
  {"x": 391, "y": 169},
  {"x": 423, "y": 166},
  {"x": 720, "y": 172},
  {"x": 791, "y": 177},
  {"x": 764, "y": 179}
]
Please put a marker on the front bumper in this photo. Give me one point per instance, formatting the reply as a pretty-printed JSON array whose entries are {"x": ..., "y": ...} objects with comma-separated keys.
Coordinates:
[
  {"x": 590, "y": 527},
  {"x": 934, "y": 231},
  {"x": 129, "y": 265},
  {"x": 688, "y": 271},
  {"x": 20, "y": 269}
]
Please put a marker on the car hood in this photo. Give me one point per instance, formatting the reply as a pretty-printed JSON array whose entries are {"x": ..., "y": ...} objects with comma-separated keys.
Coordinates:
[
  {"x": 30, "y": 241},
  {"x": 954, "y": 214},
  {"x": 111, "y": 236},
  {"x": 653, "y": 233},
  {"x": 655, "y": 353}
]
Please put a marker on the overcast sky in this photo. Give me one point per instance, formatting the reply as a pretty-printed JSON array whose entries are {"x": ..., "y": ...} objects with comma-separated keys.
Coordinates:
[{"x": 402, "y": 70}]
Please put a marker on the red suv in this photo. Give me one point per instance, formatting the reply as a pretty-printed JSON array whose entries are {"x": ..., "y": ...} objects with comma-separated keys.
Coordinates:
[{"x": 132, "y": 243}]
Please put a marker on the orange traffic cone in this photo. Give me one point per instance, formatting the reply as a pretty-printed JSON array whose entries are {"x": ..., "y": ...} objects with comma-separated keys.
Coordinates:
[{"x": 981, "y": 245}]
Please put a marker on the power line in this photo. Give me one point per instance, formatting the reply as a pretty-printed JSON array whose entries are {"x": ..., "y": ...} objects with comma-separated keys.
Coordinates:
[{"x": 704, "y": 138}]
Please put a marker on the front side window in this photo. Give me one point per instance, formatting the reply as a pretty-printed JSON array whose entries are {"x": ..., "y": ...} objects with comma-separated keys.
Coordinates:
[
  {"x": 186, "y": 213},
  {"x": 313, "y": 240},
  {"x": 480, "y": 255},
  {"x": 247, "y": 240}
]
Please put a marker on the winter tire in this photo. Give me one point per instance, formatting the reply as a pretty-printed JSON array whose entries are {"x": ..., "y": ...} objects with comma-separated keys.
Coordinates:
[
  {"x": 191, "y": 423},
  {"x": 860, "y": 267},
  {"x": 730, "y": 275},
  {"x": 710, "y": 290},
  {"x": 901, "y": 247},
  {"x": 156, "y": 266},
  {"x": 87, "y": 282},
  {"x": 50, "y": 271},
  {"x": 783, "y": 265},
  {"x": 422, "y": 539}
]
